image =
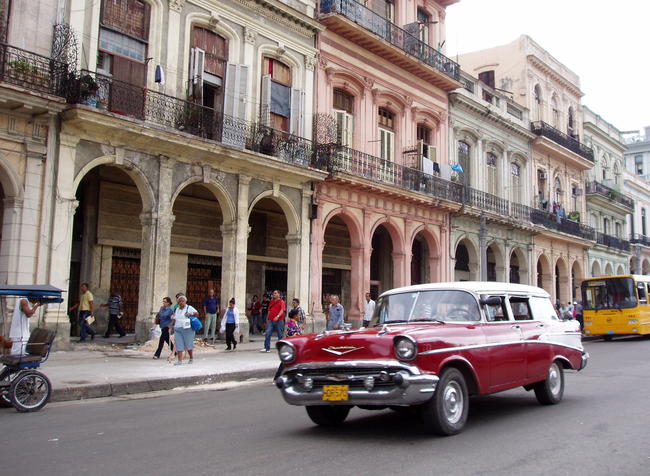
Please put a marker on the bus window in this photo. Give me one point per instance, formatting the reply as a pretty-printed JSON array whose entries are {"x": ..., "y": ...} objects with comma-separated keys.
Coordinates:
[
  {"x": 608, "y": 293},
  {"x": 641, "y": 290}
]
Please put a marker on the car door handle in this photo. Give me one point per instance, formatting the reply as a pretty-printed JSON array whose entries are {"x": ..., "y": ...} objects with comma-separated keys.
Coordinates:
[
  {"x": 515, "y": 326},
  {"x": 540, "y": 325}
]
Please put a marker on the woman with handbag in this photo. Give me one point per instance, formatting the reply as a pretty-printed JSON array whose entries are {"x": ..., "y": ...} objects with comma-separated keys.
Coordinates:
[
  {"x": 230, "y": 324},
  {"x": 183, "y": 330}
]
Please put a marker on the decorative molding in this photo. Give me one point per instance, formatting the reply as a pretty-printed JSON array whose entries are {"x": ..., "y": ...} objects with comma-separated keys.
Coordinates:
[
  {"x": 250, "y": 35},
  {"x": 310, "y": 63},
  {"x": 214, "y": 19},
  {"x": 273, "y": 16},
  {"x": 176, "y": 5}
]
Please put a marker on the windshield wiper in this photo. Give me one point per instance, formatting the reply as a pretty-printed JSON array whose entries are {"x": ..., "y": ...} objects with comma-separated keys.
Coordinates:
[{"x": 433, "y": 319}]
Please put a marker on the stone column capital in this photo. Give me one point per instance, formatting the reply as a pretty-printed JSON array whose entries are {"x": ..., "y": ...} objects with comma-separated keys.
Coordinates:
[
  {"x": 244, "y": 179},
  {"x": 68, "y": 140},
  {"x": 176, "y": 5},
  {"x": 293, "y": 239},
  {"x": 228, "y": 229},
  {"x": 167, "y": 162}
]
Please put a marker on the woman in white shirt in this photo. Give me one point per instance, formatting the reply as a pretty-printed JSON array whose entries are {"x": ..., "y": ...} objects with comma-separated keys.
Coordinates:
[{"x": 183, "y": 333}]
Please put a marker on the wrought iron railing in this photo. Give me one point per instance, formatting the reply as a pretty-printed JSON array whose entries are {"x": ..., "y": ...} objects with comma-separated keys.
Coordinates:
[
  {"x": 612, "y": 242},
  {"x": 640, "y": 239},
  {"x": 486, "y": 201},
  {"x": 32, "y": 71},
  {"x": 541, "y": 128},
  {"x": 341, "y": 159},
  {"x": 393, "y": 34},
  {"x": 553, "y": 222},
  {"x": 119, "y": 97},
  {"x": 609, "y": 193}
]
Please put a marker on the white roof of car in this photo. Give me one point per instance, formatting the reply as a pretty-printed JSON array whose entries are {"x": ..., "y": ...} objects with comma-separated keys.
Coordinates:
[{"x": 475, "y": 287}]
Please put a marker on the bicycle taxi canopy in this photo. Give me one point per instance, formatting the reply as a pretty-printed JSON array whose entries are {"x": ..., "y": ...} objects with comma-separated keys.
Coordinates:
[{"x": 43, "y": 292}]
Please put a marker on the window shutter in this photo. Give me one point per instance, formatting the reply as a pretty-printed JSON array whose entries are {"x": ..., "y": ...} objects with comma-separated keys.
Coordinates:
[
  {"x": 297, "y": 111},
  {"x": 197, "y": 60},
  {"x": 236, "y": 86},
  {"x": 349, "y": 129},
  {"x": 231, "y": 99},
  {"x": 265, "y": 101}
]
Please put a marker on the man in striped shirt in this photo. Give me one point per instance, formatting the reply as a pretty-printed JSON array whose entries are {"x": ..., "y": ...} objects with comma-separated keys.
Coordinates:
[{"x": 114, "y": 314}]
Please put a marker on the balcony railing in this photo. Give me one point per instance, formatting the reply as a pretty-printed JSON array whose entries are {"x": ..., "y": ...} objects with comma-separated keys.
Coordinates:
[
  {"x": 609, "y": 193},
  {"x": 541, "y": 128},
  {"x": 640, "y": 239},
  {"x": 393, "y": 34},
  {"x": 486, "y": 201},
  {"x": 612, "y": 242},
  {"x": 32, "y": 71},
  {"x": 119, "y": 97},
  {"x": 346, "y": 160},
  {"x": 540, "y": 217}
]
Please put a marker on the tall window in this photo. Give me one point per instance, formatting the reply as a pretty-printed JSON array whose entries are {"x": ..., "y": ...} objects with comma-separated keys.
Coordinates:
[
  {"x": 570, "y": 123},
  {"x": 123, "y": 40},
  {"x": 618, "y": 229},
  {"x": 464, "y": 152},
  {"x": 492, "y": 173},
  {"x": 276, "y": 94},
  {"x": 424, "y": 23},
  {"x": 638, "y": 164},
  {"x": 386, "y": 119},
  {"x": 208, "y": 59},
  {"x": 643, "y": 229},
  {"x": 344, "y": 110},
  {"x": 537, "y": 103},
  {"x": 556, "y": 112},
  {"x": 558, "y": 191},
  {"x": 515, "y": 185},
  {"x": 606, "y": 226}
]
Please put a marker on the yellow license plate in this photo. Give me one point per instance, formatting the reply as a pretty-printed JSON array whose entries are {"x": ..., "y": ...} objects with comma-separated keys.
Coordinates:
[{"x": 335, "y": 393}]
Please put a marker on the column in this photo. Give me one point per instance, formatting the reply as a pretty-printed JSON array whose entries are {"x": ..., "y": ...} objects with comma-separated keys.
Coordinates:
[
  {"x": 250, "y": 37},
  {"x": 355, "y": 313},
  {"x": 303, "y": 283},
  {"x": 173, "y": 35},
  {"x": 58, "y": 269},
  {"x": 228, "y": 260},
  {"x": 316, "y": 275},
  {"x": 241, "y": 252},
  {"x": 399, "y": 260},
  {"x": 293, "y": 265}
]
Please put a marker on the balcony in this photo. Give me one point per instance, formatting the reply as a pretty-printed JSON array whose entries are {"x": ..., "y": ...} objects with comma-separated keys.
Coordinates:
[
  {"x": 612, "y": 242},
  {"x": 540, "y": 217},
  {"x": 30, "y": 72},
  {"x": 117, "y": 97},
  {"x": 640, "y": 239},
  {"x": 543, "y": 129},
  {"x": 394, "y": 44},
  {"x": 610, "y": 195},
  {"x": 341, "y": 159}
]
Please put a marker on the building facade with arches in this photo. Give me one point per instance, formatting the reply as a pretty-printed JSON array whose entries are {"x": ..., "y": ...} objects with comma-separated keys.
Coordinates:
[
  {"x": 608, "y": 207},
  {"x": 560, "y": 159},
  {"x": 382, "y": 217},
  {"x": 490, "y": 139}
]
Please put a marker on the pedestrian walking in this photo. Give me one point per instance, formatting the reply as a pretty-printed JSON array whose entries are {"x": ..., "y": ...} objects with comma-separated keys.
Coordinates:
[
  {"x": 86, "y": 313},
  {"x": 275, "y": 322},
  {"x": 336, "y": 314},
  {"x": 368, "y": 310},
  {"x": 183, "y": 332},
  {"x": 114, "y": 305},
  {"x": 296, "y": 323},
  {"x": 230, "y": 325},
  {"x": 164, "y": 318},
  {"x": 255, "y": 310},
  {"x": 211, "y": 310},
  {"x": 264, "y": 308}
]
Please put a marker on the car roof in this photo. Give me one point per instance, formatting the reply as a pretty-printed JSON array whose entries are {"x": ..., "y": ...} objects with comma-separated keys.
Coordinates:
[{"x": 474, "y": 287}]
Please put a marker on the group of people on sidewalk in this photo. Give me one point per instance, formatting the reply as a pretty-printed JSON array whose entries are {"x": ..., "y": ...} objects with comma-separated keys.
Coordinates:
[{"x": 86, "y": 317}]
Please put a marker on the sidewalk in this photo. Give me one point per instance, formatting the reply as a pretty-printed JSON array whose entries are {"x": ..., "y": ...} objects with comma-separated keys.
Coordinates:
[{"x": 112, "y": 367}]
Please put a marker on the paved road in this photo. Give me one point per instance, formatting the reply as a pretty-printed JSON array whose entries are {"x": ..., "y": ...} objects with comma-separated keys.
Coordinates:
[{"x": 601, "y": 428}]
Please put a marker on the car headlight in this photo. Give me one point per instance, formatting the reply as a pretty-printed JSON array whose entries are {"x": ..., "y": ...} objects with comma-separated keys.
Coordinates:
[
  {"x": 405, "y": 348},
  {"x": 287, "y": 352}
]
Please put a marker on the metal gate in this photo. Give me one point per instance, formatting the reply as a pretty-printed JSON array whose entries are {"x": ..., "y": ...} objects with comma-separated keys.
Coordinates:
[{"x": 125, "y": 281}]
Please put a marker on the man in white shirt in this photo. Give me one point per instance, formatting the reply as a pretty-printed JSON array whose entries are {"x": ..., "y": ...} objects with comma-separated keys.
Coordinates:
[{"x": 368, "y": 310}]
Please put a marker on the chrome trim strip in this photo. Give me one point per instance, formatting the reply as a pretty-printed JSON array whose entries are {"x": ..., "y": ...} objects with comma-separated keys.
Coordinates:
[
  {"x": 352, "y": 364},
  {"x": 497, "y": 344}
]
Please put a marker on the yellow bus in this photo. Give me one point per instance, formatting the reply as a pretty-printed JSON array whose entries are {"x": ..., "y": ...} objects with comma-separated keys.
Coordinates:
[{"x": 616, "y": 305}]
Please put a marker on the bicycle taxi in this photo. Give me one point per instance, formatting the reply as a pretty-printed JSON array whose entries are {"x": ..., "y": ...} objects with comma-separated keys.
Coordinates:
[{"x": 21, "y": 384}]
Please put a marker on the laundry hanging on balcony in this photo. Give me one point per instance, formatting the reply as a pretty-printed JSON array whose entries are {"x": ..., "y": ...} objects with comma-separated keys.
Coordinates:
[{"x": 457, "y": 168}]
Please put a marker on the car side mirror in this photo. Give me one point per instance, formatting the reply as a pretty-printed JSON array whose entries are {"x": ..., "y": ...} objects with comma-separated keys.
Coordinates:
[{"x": 491, "y": 301}]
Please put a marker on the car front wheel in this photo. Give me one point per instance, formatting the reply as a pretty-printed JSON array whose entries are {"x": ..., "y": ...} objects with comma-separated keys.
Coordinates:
[
  {"x": 550, "y": 391},
  {"x": 328, "y": 415},
  {"x": 446, "y": 413}
]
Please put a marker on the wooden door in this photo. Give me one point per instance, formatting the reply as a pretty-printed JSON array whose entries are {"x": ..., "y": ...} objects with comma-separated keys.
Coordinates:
[{"x": 125, "y": 281}]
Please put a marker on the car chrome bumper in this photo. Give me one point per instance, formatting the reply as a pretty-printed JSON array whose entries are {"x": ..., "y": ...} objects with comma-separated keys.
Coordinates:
[
  {"x": 402, "y": 388},
  {"x": 585, "y": 360}
]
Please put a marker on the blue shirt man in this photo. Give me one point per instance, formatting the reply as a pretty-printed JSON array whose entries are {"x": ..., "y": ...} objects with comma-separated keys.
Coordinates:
[{"x": 336, "y": 314}]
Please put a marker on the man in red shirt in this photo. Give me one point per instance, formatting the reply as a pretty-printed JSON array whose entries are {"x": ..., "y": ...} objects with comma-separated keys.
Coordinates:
[{"x": 277, "y": 308}]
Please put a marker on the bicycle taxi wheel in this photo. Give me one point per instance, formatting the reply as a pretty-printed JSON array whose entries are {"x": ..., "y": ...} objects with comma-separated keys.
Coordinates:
[{"x": 30, "y": 391}]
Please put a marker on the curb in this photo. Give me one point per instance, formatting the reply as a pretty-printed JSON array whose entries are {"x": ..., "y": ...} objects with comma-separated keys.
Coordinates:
[{"x": 83, "y": 392}]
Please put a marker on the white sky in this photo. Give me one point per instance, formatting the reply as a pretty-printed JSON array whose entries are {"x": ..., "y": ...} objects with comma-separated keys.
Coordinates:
[{"x": 607, "y": 44}]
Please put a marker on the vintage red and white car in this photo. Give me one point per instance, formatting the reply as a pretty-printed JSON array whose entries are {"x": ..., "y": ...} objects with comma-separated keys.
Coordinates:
[{"x": 431, "y": 347}]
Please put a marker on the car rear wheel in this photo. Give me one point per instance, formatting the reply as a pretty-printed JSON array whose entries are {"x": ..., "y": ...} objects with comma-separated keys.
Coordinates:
[
  {"x": 328, "y": 415},
  {"x": 550, "y": 391},
  {"x": 446, "y": 413}
]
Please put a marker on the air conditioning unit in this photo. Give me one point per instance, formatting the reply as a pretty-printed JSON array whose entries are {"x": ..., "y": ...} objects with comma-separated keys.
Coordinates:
[{"x": 541, "y": 175}]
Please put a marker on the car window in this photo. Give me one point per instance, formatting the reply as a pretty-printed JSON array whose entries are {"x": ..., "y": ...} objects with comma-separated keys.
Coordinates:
[
  {"x": 542, "y": 309},
  {"x": 520, "y": 308},
  {"x": 496, "y": 312},
  {"x": 422, "y": 306}
]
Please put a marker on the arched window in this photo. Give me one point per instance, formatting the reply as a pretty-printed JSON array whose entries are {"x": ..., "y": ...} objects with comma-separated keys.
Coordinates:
[
  {"x": 343, "y": 105},
  {"x": 386, "y": 122},
  {"x": 464, "y": 152},
  {"x": 606, "y": 226},
  {"x": 492, "y": 173},
  {"x": 515, "y": 184},
  {"x": 537, "y": 103}
]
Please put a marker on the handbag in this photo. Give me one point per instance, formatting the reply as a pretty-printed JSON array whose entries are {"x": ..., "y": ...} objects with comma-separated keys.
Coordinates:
[{"x": 195, "y": 323}]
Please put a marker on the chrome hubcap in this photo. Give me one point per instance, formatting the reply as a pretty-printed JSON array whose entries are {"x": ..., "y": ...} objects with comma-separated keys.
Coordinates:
[
  {"x": 554, "y": 379},
  {"x": 453, "y": 402}
]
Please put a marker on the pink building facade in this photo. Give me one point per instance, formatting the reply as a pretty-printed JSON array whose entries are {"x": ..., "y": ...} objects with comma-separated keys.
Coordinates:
[{"x": 381, "y": 219}]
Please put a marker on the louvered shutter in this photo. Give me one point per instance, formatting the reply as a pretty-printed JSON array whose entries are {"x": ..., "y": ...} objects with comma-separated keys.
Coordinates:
[
  {"x": 236, "y": 86},
  {"x": 297, "y": 111},
  {"x": 265, "y": 101}
]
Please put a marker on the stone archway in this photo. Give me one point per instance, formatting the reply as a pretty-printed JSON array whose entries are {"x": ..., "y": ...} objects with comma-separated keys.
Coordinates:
[
  {"x": 577, "y": 276},
  {"x": 595, "y": 269},
  {"x": 518, "y": 272},
  {"x": 561, "y": 281},
  {"x": 645, "y": 267},
  {"x": 424, "y": 257},
  {"x": 609, "y": 269},
  {"x": 466, "y": 266},
  {"x": 337, "y": 258},
  {"x": 10, "y": 204},
  {"x": 544, "y": 277},
  {"x": 382, "y": 269},
  {"x": 495, "y": 263},
  {"x": 620, "y": 270}
]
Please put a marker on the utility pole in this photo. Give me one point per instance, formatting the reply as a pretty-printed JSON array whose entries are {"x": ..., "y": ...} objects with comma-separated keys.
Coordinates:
[{"x": 482, "y": 244}]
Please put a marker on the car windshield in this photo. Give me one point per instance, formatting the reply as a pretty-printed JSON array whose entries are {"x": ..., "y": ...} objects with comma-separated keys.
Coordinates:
[
  {"x": 608, "y": 293},
  {"x": 423, "y": 306}
]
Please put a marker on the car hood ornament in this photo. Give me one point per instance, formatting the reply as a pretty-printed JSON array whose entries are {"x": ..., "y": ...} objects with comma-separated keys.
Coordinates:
[{"x": 341, "y": 350}]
